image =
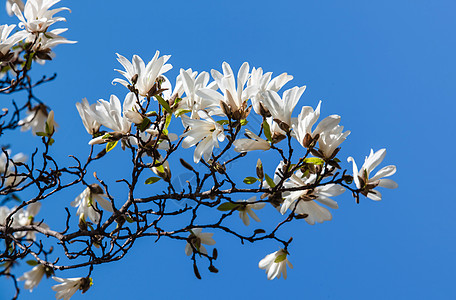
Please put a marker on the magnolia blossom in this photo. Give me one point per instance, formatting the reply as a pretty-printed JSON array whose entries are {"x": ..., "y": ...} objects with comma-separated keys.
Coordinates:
[
  {"x": 330, "y": 140},
  {"x": 86, "y": 203},
  {"x": 33, "y": 277},
  {"x": 7, "y": 168},
  {"x": 86, "y": 113},
  {"x": 37, "y": 16},
  {"x": 264, "y": 83},
  {"x": 306, "y": 200},
  {"x": 253, "y": 143},
  {"x": 234, "y": 94},
  {"x": 197, "y": 239},
  {"x": 246, "y": 210},
  {"x": 7, "y": 41},
  {"x": 275, "y": 264},
  {"x": 282, "y": 108},
  {"x": 141, "y": 75},
  {"x": 68, "y": 286},
  {"x": 48, "y": 40},
  {"x": 26, "y": 217},
  {"x": 36, "y": 119},
  {"x": 193, "y": 102},
  {"x": 366, "y": 183},
  {"x": 9, "y": 4},
  {"x": 205, "y": 132},
  {"x": 302, "y": 126},
  {"x": 109, "y": 114}
]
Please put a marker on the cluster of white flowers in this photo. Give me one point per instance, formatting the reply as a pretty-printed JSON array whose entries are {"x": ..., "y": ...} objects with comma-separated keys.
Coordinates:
[
  {"x": 35, "y": 18},
  {"x": 208, "y": 111},
  {"x": 232, "y": 96}
]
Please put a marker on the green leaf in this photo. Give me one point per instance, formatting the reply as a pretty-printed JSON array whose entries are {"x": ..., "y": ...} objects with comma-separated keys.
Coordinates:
[
  {"x": 244, "y": 122},
  {"x": 227, "y": 206},
  {"x": 267, "y": 130},
  {"x": 152, "y": 180},
  {"x": 111, "y": 145},
  {"x": 336, "y": 160},
  {"x": 250, "y": 180},
  {"x": 106, "y": 136},
  {"x": 144, "y": 124},
  {"x": 314, "y": 161},
  {"x": 164, "y": 104},
  {"x": 160, "y": 169},
  {"x": 223, "y": 122},
  {"x": 32, "y": 262},
  {"x": 48, "y": 130},
  {"x": 51, "y": 141},
  {"x": 129, "y": 220},
  {"x": 167, "y": 121},
  {"x": 269, "y": 181},
  {"x": 280, "y": 258},
  {"x": 41, "y": 134},
  {"x": 181, "y": 111}
]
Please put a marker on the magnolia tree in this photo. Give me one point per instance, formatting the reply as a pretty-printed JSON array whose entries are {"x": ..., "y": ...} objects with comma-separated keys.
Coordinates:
[{"x": 224, "y": 115}]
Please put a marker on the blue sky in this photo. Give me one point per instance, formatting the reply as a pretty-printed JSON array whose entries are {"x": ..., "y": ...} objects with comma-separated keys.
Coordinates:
[{"x": 388, "y": 68}]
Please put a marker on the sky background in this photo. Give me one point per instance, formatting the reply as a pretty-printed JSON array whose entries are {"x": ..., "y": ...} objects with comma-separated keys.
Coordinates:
[{"x": 387, "y": 67}]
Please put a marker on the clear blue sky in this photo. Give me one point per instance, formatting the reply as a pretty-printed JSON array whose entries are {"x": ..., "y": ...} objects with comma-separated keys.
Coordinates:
[{"x": 387, "y": 67}]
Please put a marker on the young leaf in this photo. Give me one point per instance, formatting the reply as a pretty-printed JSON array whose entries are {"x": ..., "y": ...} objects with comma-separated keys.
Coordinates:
[
  {"x": 269, "y": 181},
  {"x": 227, "y": 206},
  {"x": 267, "y": 130},
  {"x": 152, "y": 180},
  {"x": 250, "y": 180},
  {"x": 314, "y": 161},
  {"x": 280, "y": 258},
  {"x": 32, "y": 262},
  {"x": 181, "y": 111},
  {"x": 164, "y": 104},
  {"x": 244, "y": 122},
  {"x": 111, "y": 145},
  {"x": 144, "y": 124},
  {"x": 223, "y": 122}
]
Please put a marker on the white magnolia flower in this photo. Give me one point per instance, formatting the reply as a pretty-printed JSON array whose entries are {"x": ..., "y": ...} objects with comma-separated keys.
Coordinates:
[
  {"x": 282, "y": 108},
  {"x": 25, "y": 217},
  {"x": 7, "y": 168},
  {"x": 330, "y": 140},
  {"x": 86, "y": 203},
  {"x": 192, "y": 83},
  {"x": 48, "y": 40},
  {"x": 146, "y": 75},
  {"x": 7, "y": 41},
  {"x": 9, "y": 4},
  {"x": 264, "y": 83},
  {"x": 68, "y": 286},
  {"x": 306, "y": 120},
  {"x": 33, "y": 277},
  {"x": 306, "y": 200},
  {"x": 233, "y": 92},
  {"x": 109, "y": 114},
  {"x": 36, "y": 119},
  {"x": 253, "y": 143},
  {"x": 38, "y": 16},
  {"x": 86, "y": 113},
  {"x": 366, "y": 183},
  {"x": 246, "y": 210},
  {"x": 204, "y": 132},
  {"x": 275, "y": 264},
  {"x": 197, "y": 239}
]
